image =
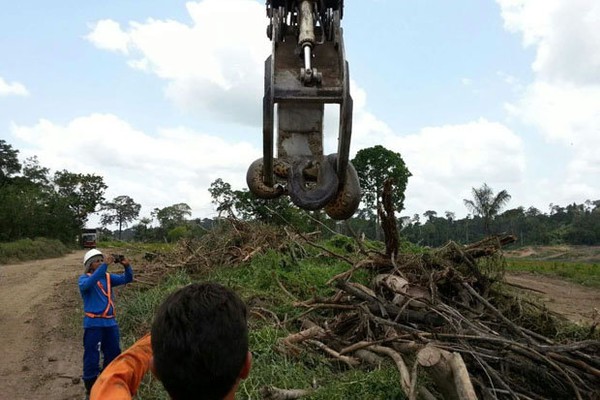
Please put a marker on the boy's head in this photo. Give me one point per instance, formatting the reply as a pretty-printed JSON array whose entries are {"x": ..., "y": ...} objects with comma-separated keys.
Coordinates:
[{"x": 200, "y": 342}]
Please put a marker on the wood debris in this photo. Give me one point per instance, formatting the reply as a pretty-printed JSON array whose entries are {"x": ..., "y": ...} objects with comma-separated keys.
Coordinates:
[{"x": 441, "y": 311}]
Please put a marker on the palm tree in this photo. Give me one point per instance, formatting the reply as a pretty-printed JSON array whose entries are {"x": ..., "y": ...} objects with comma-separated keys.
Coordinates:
[{"x": 486, "y": 205}]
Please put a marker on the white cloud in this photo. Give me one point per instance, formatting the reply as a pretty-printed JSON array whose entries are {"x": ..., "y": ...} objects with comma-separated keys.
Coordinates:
[
  {"x": 564, "y": 112},
  {"x": 208, "y": 65},
  {"x": 107, "y": 34},
  {"x": 563, "y": 101},
  {"x": 176, "y": 165},
  {"x": 14, "y": 88},
  {"x": 215, "y": 64},
  {"x": 565, "y": 34},
  {"x": 510, "y": 80},
  {"x": 447, "y": 161}
]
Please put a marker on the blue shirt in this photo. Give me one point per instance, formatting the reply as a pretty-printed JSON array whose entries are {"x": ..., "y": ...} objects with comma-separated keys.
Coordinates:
[{"x": 94, "y": 301}]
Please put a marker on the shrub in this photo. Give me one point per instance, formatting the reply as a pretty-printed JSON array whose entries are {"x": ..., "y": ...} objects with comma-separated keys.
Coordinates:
[{"x": 28, "y": 249}]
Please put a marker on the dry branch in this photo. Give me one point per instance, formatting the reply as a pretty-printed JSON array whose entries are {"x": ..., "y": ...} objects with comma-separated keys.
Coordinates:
[
  {"x": 400, "y": 364},
  {"x": 274, "y": 393},
  {"x": 440, "y": 302}
]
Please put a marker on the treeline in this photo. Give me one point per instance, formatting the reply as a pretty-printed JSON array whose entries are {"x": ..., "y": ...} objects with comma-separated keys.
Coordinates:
[
  {"x": 37, "y": 204},
  {"x": 34, "y": 203},
  {"x": 574, "y": 224}
]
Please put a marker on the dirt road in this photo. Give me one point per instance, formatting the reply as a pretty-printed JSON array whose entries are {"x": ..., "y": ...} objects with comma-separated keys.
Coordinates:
[
  {"x": 41, "y": 355},
  {"x": 575, "y": 302},
  {"x": 40, "y": 334}
]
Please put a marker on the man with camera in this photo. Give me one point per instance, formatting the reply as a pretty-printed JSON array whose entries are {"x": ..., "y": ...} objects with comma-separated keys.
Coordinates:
[{"x": 100, "y": 328}]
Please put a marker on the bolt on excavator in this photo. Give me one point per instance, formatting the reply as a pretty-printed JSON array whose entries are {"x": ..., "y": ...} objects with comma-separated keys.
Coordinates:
[{"x": 306, "y": 70}]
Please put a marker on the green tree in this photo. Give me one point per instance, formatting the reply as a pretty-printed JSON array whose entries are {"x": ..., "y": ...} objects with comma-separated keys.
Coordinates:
[
  {"x": 279, "y": 211},
  {"x": 143, "y": 231},
  {"x": 9, "y": 161},
  {"x": 36, "y": 174},
  {"x": 82, "y": 193},
  {"x": 486, "y": 205},
  {"x": 34, "y": 204},
  {"x": 374, "y": 165},
  {"x": 222, "y": 196},
  {"x": 430, "y": 215},
  {"x": 121, "y": 211},
  {"x": 178, "y": 233},
  {"x": 172, "y": 216}
]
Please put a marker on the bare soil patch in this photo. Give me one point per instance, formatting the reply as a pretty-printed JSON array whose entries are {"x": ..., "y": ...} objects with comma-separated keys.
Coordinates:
[
  {"x": 41, "y": 353},
  {"x": 579, "y": 304},
  {"x": 586, "y": 254}
]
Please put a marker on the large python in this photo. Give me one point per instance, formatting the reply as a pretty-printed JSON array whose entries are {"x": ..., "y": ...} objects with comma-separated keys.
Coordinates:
[{"x": 311, "y": 183}]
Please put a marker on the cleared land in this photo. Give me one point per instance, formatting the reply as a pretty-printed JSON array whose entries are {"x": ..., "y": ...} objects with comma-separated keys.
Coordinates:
[{"x": 41, "y": 349}]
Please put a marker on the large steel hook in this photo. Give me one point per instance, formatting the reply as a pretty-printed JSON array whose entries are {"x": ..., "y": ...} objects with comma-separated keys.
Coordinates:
[{"x": 306, "y": 34}]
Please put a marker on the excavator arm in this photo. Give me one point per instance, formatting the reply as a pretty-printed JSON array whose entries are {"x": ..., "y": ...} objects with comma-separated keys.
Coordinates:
[{"x": 306, "y": 70}]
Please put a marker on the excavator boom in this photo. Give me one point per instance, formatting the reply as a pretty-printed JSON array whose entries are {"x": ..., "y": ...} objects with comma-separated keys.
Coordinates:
[{"x": 306, "y": 70}]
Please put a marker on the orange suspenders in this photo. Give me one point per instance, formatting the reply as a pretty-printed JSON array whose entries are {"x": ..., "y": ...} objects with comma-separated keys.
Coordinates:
[{"x": 109, "y": 303}]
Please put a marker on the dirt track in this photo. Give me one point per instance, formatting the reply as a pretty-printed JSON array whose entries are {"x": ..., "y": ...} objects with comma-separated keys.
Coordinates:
[
  {"x": 575, "y": 302},
  {"x": 41, "y": 354}
]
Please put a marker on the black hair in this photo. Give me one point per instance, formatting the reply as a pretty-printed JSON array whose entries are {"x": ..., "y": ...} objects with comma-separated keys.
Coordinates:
[{"x": 200, "y": 341}]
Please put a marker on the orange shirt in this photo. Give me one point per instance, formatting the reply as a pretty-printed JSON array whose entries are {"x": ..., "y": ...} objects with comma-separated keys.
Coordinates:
[{"x": 121, "y": 379}]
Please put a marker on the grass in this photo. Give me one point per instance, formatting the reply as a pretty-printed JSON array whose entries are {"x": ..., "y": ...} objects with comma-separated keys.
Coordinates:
[
  {"x": 333, "y": 380},
  {"x": 272, "y": 281},
  {"x": 137, "y": 246},
  {"x": 275, "y": 280},
  {"x": 28, "y": 249},
  {"x": 587, "y": 274}
]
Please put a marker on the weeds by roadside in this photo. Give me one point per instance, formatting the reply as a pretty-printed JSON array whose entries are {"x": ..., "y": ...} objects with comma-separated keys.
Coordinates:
[
  {"x": 28, "y": 249},
  {"x": 583, "y": 273}
]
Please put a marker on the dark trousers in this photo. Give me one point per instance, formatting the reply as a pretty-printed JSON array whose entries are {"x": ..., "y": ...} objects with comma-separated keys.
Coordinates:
[{"x": 96, "y": 340}]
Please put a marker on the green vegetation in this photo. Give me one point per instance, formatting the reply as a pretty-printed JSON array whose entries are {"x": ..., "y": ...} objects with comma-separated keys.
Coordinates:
[
  {"x": 275, "y": 275},
  {"x": 583, "y": 273},
  {"x": 270, "y": 283},
  {"x": 374, "y": 165},
  {"x": 273, "y": 283},
  {"x": 37, "y": 204},
  {"x": 486, "y": 205},
  {"x": 155, "y": 248},
  {"x": 121, "y": 210},
  {"x": 575, "y": 224},
  {"x": 27, "y": 249}
]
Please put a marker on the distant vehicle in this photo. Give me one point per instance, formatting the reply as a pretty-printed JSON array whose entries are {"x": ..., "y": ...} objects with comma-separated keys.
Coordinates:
[{"x": 88, "y": 238}]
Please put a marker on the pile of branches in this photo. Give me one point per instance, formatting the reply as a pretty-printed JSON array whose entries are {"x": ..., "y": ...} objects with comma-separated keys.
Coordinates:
[
  {"x": 435, "y": 313},
  {"x": 429, "y": 309},
  {"x": 230, "y": 243}
]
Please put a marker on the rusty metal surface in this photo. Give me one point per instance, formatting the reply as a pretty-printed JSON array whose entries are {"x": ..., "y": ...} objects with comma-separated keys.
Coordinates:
[{"x": 306, "y": 70}]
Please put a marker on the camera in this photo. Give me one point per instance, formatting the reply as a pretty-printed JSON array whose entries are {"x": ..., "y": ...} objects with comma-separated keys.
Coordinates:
[{"x": 118, "y": 257}]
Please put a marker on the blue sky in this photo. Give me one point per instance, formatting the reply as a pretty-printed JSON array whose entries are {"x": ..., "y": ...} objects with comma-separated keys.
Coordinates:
[{"x": 161, "y": 98}]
